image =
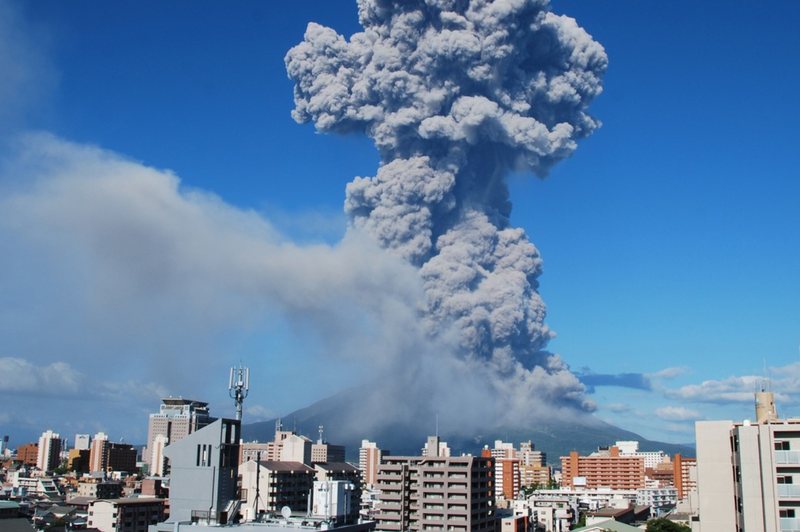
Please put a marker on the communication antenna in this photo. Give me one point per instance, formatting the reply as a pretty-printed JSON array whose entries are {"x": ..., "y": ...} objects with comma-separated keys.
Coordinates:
[{"x": 238, "y": 386}]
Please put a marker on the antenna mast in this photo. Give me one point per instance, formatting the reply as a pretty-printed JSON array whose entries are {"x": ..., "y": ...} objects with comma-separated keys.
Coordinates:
[{"x": 238, "y": 386}]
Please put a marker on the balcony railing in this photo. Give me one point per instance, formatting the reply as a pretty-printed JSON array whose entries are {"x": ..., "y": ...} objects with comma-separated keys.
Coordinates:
[
  {"x": 787, "y": 457},
  {"x": 790, "y": 524},
  {"x": 788, "y": 490}
]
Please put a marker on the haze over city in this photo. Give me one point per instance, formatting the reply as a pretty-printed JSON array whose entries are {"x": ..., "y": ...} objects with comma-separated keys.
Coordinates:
[{"x": 163, "y": 217}]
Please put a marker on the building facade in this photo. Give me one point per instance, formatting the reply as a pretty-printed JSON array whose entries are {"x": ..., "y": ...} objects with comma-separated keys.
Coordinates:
[
  {"x": 28, "y": 454},
  {"x": 176, "y": 419},
  {"x": 748, "y": 475},
  {"x": 206, "y": 464},
  {"x": 609, "y": 471},
  {"x": 369, "y": 458},
  {"x": 436, "y": 493},
  {"x": 125, "y": 515},
  {"x": 268, "y": 486},
  {"x": 49, "y": 451}
]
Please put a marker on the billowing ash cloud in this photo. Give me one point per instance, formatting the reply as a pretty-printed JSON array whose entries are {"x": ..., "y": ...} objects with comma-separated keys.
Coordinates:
[{"x": 457, "y": 93}]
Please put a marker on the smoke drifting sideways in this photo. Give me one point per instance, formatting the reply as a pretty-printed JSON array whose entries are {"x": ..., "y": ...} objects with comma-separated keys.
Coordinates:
[{"x": 456, "y": 94}]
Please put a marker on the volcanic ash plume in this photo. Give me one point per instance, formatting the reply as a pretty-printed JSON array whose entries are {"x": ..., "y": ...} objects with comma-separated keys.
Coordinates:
[{"x": 457, "y": 93}]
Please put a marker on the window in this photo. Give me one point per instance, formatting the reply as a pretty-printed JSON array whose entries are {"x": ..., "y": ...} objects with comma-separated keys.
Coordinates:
[
  {"x": 782, "y": 446},
  {"x": 788, "y": 512}
]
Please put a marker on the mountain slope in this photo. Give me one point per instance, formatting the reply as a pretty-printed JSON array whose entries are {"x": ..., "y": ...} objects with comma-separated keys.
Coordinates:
[{"x": 555, "y": 437}]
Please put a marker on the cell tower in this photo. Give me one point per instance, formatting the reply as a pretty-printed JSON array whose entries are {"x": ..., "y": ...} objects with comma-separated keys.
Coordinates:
[{"x": 238, "y": 386}]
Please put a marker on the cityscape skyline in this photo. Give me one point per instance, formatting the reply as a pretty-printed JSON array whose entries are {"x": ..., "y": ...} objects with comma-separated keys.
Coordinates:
[{"x": 668, "y": 239}]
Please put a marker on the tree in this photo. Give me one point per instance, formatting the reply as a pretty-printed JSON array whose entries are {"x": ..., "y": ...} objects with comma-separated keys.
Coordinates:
[{"x": 665, "y": 525}]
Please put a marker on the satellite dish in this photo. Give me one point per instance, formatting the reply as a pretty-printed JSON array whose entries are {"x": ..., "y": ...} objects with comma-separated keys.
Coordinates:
[{"x": 286, "y": 512}]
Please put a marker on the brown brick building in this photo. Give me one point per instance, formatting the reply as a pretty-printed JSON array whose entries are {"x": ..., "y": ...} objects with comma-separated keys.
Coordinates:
[{"x": 604, "y": 470}]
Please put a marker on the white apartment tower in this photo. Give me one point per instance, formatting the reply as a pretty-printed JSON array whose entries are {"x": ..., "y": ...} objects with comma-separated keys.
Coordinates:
[
  {"x": 49, "y": 451},
  {"x": 158, "y": 462},
  {"x": 748, "y": 475}
]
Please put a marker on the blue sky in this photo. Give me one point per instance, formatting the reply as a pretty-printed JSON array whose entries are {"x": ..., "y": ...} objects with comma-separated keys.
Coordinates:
[{"x": 670, "y": 238}]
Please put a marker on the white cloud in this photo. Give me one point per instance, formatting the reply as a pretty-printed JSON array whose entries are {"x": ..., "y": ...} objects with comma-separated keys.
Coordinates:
[
  {"x": 677, "y": 413},
  {"x": 618, "y": 408},
  {"x": 669, "y": 373},
  {"x": 734, "y": 389},
  {"x": 256, "y": 413},
  {"x": 18, "y": 376}
]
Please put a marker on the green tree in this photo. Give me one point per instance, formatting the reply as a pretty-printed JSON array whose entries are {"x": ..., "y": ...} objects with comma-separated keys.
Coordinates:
[{"x": 665, "y": 525}]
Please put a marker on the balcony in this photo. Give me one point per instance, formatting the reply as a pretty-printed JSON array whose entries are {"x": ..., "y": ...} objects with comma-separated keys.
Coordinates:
[
  {"x": 787, "y": 457},
  {"x": 790, "y": 524},
  {"x": 789, "y": 490}
]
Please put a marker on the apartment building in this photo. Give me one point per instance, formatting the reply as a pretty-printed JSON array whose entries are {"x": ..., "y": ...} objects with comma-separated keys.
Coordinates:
[
  {"x": 436, "y": 493},
  {"x": 268, "y": 486},
  {"x": 684, "y": 475},
  {"x": 176, "y": 419},
  {"x": 49, "y": 451},
  {"x": 369, "y": 458},
  {"x": 748, "y": 475},
  {"x": 125, "y": 515},
  {"x": 28, "y": 454},
  {"x": 603, "y": 470},
  {"x": 533, "y": 475},
  {"x": 105, "y": 455},
  {"x": 205, "y": 464},
  {"x": 322, "y": 452}
]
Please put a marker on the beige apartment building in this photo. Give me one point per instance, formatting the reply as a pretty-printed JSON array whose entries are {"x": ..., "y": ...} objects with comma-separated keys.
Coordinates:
[
  {"x": 125, "y": 515},
  {"x": 176, "y": 419},
  {"x": 438, "y": 493}
]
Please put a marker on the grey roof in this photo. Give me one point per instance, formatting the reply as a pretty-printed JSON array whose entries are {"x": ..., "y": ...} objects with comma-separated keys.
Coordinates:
[
  {"x": 612, "y": 525},
  {"x": 131, "y": 501},
  {"x": 81, "y": 501},
  {"x": 286, "y": 466},
  {"x": 337, "y": 466},
  {"x": 17, "y": 525}
]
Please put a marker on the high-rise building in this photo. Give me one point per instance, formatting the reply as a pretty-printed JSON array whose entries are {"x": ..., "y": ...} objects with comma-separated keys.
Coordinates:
[
  {"x": 268, "y": 486},
  {"x": 530, "y": 456},
  {"x": 436, "y": 493},
  {"x": 82, "y": 442},
  {"x": 684, "y": 475},
  {"x": 603, "y": 470},
  {"x": 435, "y": 447},
  {"x": 98, "y": 456},
  {"x": 514, "y": 469},
  {"x": 746, "y": 475},
  {"x": 158, "y": 462},
  {"x": 253, "y": 451},
  {"x": 296, "y": 449},
  {"x": 108, "y": 456},
  {"x": 326, "y": 452},
  {"x": 369, "y": 458},
  {"x": 28, "y": 454},
  {"x": 205, "y": 465},
  {"x": 746, "y": 472},
  {"x": 176, "y": 419},
  {"x": 49, "y": 455}
]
